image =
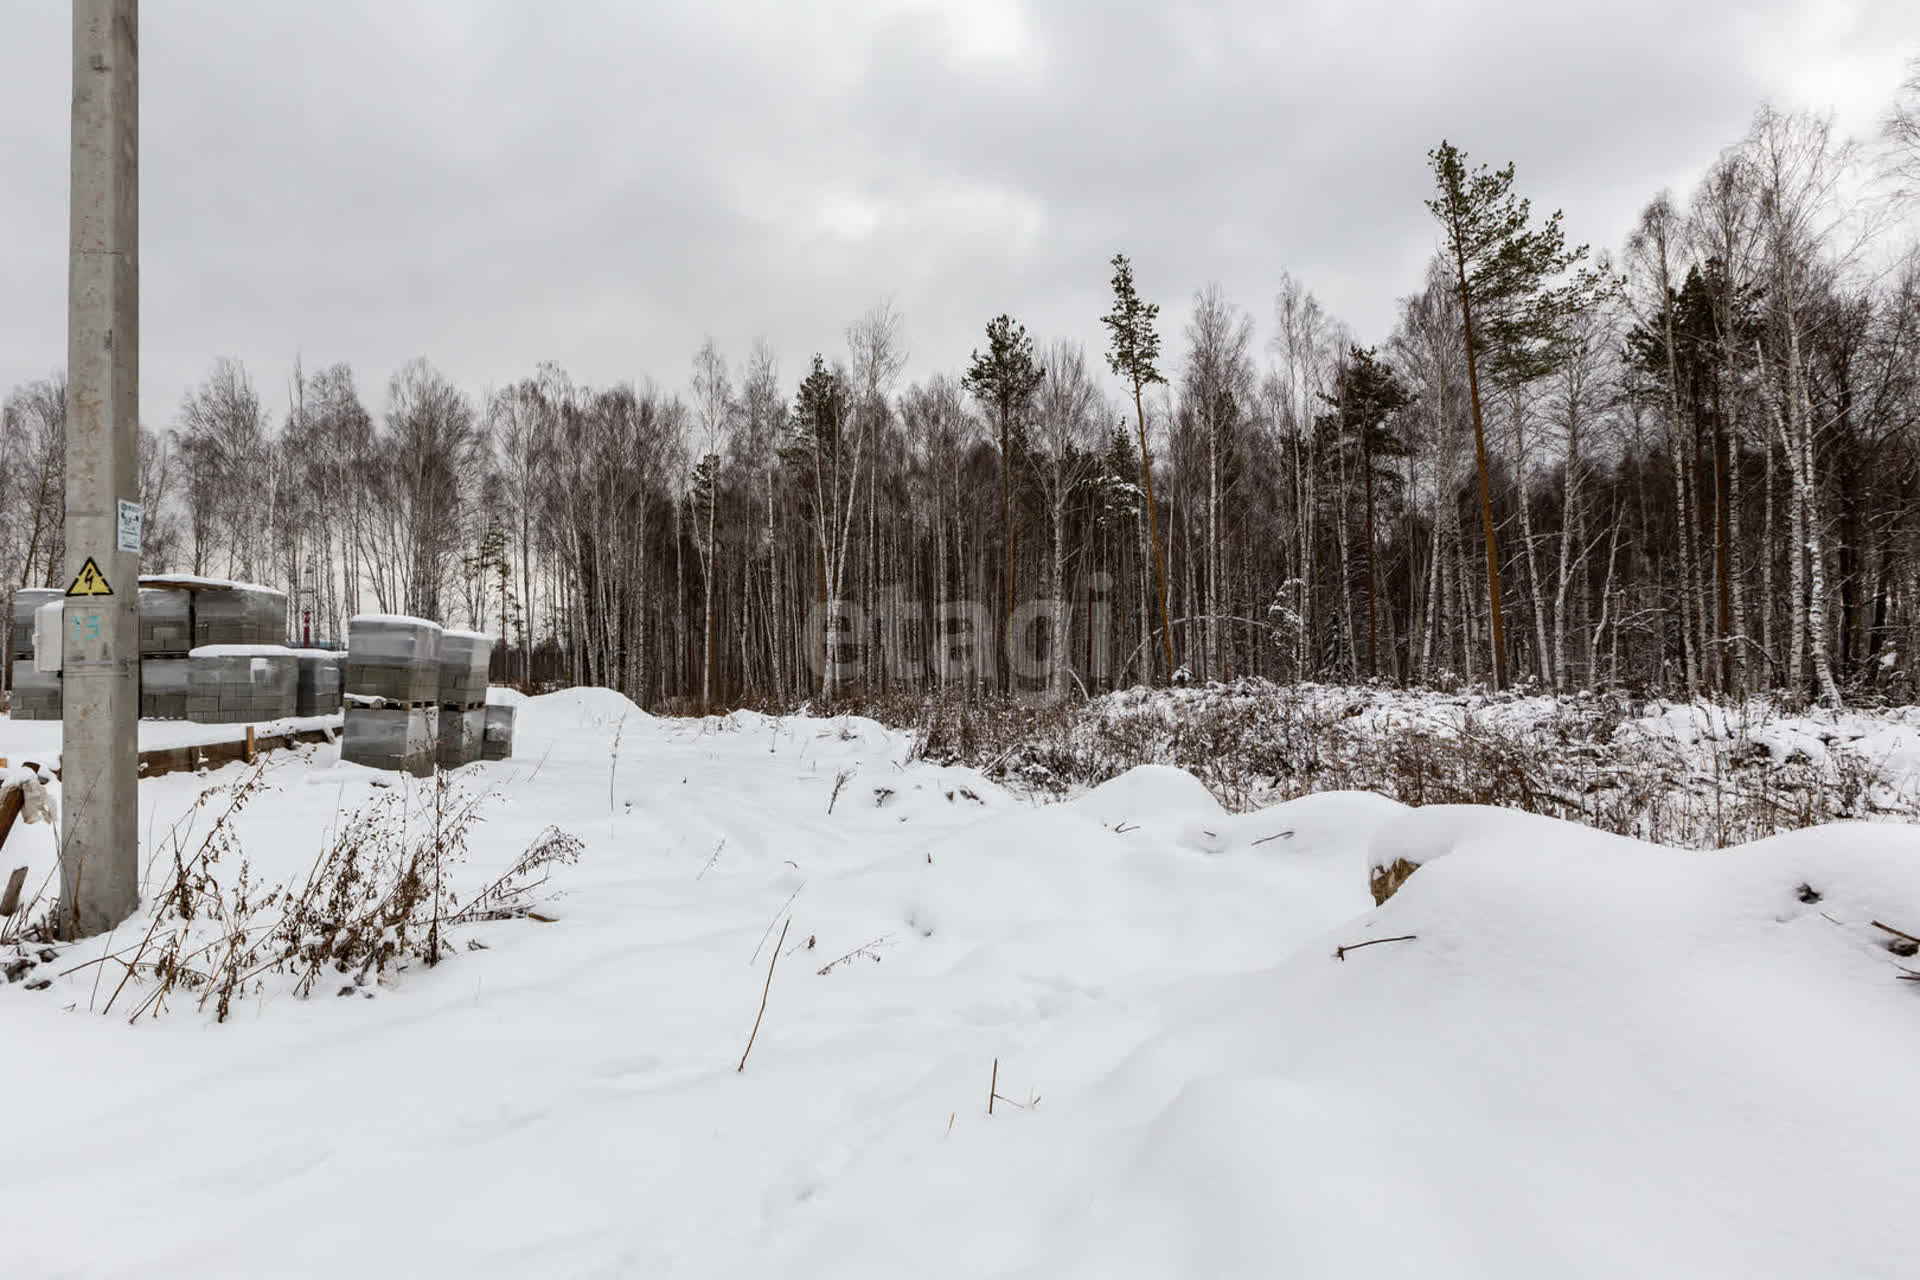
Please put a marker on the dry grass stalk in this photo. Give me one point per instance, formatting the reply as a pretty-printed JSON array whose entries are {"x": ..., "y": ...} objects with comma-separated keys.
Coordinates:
[{"x": 772, "y": 960}]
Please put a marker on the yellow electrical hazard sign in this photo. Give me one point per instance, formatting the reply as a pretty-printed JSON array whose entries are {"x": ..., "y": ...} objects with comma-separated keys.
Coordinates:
[{"x": 89, "y": 581}]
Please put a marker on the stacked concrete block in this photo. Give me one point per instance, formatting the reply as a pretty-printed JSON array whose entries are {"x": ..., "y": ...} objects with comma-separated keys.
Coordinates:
[
  {"x": 392, "y": 660},
  {"x": 36, "y": 694},
  {"x": 239, "y": 615},
  {"x": 464, "y": 659},
  {"x": 166, "y": 624},
  {"x": 497, "y": 741},
  {"x": 241, "y": 684},
  {"x": 164, "y": 687},
  {"x": 399, "y": 739},
  {"x": 462, "y": 736},
  {"x": 392, "y": 693},
  {"x": 322, "y": 687}
]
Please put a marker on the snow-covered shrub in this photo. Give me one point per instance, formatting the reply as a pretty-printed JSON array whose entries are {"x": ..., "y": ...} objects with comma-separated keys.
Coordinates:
[{"x": 1700, "y": 775}]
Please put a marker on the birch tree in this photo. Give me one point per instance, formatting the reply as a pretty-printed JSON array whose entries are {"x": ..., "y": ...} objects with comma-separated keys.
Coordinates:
[{"x": 713, "y": 408}]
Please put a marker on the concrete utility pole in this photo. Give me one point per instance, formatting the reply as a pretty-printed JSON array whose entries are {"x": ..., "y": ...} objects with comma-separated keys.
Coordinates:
[{"x": 99, "y": 746}]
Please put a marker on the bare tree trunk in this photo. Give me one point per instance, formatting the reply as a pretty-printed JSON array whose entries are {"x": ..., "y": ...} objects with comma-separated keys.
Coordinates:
[
  {"x": 1526, "y": 537},
  {"x": 1572, "y": 532},
  {"x": 1495, "y": 613},
  {"x": 1153, "y": 530},
  {"x": 1366, "y": 468}
]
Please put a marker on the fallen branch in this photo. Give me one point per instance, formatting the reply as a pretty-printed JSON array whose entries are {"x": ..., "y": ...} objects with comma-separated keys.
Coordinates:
[
  {"x": 764, "y": 991},
  {"x": 1340, "y": 953},
  {"x": 1887, "y": 928},
  {"x": 1278, "y": 835}
]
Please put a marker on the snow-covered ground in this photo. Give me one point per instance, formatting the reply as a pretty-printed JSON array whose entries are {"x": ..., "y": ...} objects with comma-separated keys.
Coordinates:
[{"x": 1581, "y": 1055}]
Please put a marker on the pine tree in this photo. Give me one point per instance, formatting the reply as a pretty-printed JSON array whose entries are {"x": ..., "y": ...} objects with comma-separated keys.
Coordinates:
[
  {"x": 1004, "y": 380},
  {"x": 817, "y": 442},
  {"x": 1367, "y": 393},
  {"x": 1509, "y": 313},
  {"x": 1131, "y": 354}
]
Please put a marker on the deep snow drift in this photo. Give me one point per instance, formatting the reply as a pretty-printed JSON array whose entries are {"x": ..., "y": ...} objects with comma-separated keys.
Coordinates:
[{"x": 1592, "y": 1057}]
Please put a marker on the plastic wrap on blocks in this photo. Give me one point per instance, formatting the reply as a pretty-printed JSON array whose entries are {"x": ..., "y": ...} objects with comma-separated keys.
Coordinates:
[
  {"x": 395, "y": 683},
  {"x": 396, "y": 640},
  {"x": 497, "y": 740},
  {"x": 462, "y": 735},
  {"x": 163, "y": 688},
  {"x": 166, "y": 623},
  {"x": 393, "y": 657},
  {"x": 242, "y": 687},
  {"x": 36, "y": 694},
  {"x": 322, "y": 682},
  {"x": 239, "y": 615},
  {"x": 397, "y": 740},
  {"x": 464, "y": 659}
]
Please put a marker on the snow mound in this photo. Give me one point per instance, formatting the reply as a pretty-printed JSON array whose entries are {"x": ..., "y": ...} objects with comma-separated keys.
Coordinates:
[
  {"x": 573, "y": 709},
  {"x": 1589, "y": 1057},
  {"x": 1422, "y": 835},
  {"x": 1147, "y": 791}
]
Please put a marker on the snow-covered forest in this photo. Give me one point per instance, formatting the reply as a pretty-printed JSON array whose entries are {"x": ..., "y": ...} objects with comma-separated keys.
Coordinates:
[{"x": 1694, "y": 457}]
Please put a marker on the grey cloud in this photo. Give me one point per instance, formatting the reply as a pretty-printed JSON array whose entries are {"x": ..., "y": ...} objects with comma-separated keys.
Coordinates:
[{"x": 493, "y": 184}]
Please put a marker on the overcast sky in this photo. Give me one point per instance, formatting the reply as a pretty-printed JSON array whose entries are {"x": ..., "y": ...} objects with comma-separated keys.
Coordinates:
[{"x": 604, "y": 184}]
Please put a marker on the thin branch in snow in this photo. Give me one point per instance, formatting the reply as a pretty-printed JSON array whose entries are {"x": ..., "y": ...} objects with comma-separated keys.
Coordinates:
[
  {"x": 1340, "y": 953},
  {"x": 764, "y": 991}
]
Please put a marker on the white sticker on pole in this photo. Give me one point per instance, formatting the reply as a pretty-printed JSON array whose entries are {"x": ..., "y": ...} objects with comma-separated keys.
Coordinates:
[{"x": 129, "y": 527}]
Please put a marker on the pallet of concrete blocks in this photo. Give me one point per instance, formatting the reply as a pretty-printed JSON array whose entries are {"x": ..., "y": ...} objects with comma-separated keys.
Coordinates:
[
  {"x": 241, "y": 683},
  {"x": 166, "y": 623},
  {"x": 36, "y": 693},
  {"x": 164, "y": 688},
  {"x": 462, "y": 736},
  {"x": 497, "y": 741},
  {"x": 237, "y": 613},
  {"x": 323, "y": 682},
  {"x": 398, "y": 739},
  {"x": 393, "y": 660},
  {"x": 464, "y": 658}
]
